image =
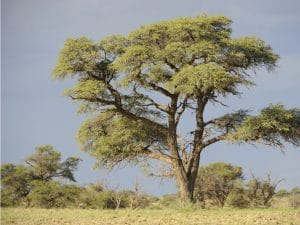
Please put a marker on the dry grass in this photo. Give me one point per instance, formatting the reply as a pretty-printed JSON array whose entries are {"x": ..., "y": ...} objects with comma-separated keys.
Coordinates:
[{"x": 153, "y": 217}]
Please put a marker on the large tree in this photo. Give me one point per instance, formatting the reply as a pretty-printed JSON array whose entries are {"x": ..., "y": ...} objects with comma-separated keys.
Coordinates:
[{"x": 139, "y": 87}]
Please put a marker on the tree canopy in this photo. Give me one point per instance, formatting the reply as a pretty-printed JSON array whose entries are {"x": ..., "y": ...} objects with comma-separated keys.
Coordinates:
[
  {"x": 138, "y": 87},
  {"x": 216, "y": 181},
  {"x": 46, "y": 164},
  {"x": 21, "y": 182}
]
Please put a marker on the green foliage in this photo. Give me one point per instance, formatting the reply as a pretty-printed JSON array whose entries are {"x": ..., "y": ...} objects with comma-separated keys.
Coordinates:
[
  {"x": 216, "y": 181},
  {"x": 205, "y": 77},
  {"x": 169, "y": 201},
  {"x": 198, "y": 51},
  {"x": 21, "y": 183},
  {"x": 15, "y": 184},
  {"x": 250, "y": 52},
  {"x": 282, "y": 193},
  {"x": 46, "y": 164},
  {"x": 137, "y": 88},
  {"x": 186, "y": 56},
  {"x": 78, "y": 55},
  {"x": 238, "y": 197},
  {"x": 93, "y": 198},
  {"x": 86, "y": 89},
  {"x": 52, "y": 194},
  {"x": 113, "y": 138},
  {"x": 261, "y": 191},
  {"x": 272, "y": 126}
]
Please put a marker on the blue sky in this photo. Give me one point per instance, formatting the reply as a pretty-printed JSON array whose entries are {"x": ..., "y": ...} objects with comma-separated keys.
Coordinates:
[{"x": 34, "y": 112}]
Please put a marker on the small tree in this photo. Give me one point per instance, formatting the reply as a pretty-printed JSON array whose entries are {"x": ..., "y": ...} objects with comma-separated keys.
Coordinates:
[
  {"x": 216, "y": 181},
  {"x": 15, "y": 184},
  {"x": 41, "y": 167},
  {"x": 53, "y": 194},
  {"x": 134, "y": 196},
  {"x": 139, "y": 87},
  {"x": 238, "y": 196},
  {"x": 261, "y": 191},
  {"x": 46, "y": 164}
]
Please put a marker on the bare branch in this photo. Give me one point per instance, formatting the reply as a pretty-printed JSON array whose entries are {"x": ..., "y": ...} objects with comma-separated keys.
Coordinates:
[
  {"x": 160, "y": 107},
  {"x": 181, "y": 107}
]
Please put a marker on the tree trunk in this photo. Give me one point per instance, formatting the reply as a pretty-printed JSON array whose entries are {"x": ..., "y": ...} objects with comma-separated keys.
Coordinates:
[
  {"x": 186, "y": 193},
  {"x": 185, "y": 174},
  {"x": 186, "y": 181}
]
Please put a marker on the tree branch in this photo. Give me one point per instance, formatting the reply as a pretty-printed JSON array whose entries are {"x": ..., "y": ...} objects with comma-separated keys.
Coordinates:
[
  {"x": 156, "y": 155},
  {"x": 160, "y": 107},
  {"x": 99, "y": 100},
  {"x": 214, "y": 140},
  {"x": 182, "y": 109},
  {"x": 119, "y": 108},
  {"x": 161, "y": 90}
]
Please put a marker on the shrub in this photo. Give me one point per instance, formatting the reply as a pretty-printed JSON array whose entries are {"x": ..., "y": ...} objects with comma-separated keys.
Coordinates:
[
  {"x": 238, "y": 197},
  {"x": 261, "y": 191},
  {"x": 15, "y": 184},
  {"x": 295, "y": 197},
  {"x": 215, "y": 182},
  {"x": 171, "y": 201},
  {"x": 93, "y": 199},
  {"x": 52, "y": 194}
]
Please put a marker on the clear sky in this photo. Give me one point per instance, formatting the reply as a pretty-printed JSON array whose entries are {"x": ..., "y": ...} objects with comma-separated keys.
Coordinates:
[{"x": 34, "y": 112}]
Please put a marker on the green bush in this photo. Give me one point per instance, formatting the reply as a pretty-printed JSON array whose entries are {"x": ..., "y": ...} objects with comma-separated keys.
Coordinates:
[
  {"x": 282, "y": 193},
  {"x": 170, "y": 201},
  {"x": 15, "y": 184},
  {"x": 238, "y": 197},
  {"x": 53, "y": 194},
  {"x": 92, "y": 199}
]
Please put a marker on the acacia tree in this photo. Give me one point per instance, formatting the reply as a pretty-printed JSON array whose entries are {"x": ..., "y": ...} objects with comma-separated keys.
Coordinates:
[
  {"x": 216, "y": 181},
  {"x": 138, "y": 88},
  {"x": 46, "y": 164}
]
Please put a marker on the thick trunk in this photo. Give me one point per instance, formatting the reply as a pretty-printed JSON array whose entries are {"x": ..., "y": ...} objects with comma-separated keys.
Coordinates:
[
  {"x": 186, "y": 190},
  {"x": 186, "y": 181},
  {"x": 185, "y": 174}
]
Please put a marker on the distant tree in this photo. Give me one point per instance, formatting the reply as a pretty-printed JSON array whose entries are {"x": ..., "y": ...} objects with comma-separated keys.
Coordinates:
[
  {"x": 261, "y": 191},
  {"x": 216, "y": 181},
  {"x": 282, "y": 193},
  {"x": 46, "y": 164},
  {"x": 15, "y": 184},
  {"x": 53, "y": 194},
  {"x": 18, "y": 181},
  {"x": 139, "y": 87},
  {"x": 295, "y": 190}
]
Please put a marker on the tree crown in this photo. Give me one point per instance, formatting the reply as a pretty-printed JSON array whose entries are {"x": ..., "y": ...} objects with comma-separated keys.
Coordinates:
[{"x": 138, "y": 87}]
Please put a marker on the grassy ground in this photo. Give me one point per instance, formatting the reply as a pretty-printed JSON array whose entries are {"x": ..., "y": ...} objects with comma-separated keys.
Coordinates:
[{"x": 153, "y": 217}]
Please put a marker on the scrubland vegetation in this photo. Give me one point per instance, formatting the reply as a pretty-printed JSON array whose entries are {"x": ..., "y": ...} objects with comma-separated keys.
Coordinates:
[{"x": 39, "y": 183}]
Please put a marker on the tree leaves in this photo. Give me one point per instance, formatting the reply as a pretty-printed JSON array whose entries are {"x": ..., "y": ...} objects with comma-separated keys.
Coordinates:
[
  {"x": 78, "y": 55},
  {"x": 274, "y": 125},
  {"x": 112, "y": 138},
  {"x": 203, "y": 78},
  {"x": 46, "y": 164}
]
